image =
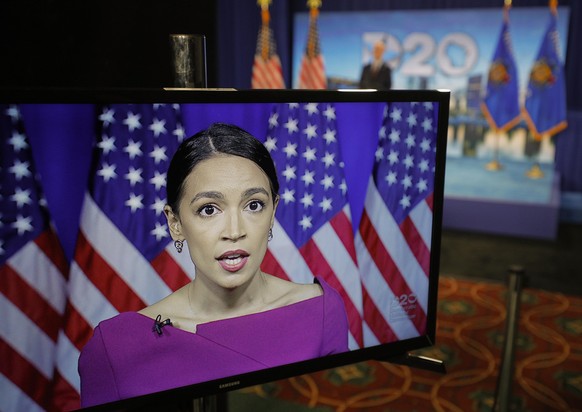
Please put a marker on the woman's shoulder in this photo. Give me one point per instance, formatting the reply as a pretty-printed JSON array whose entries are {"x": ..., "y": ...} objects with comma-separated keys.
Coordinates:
[{"x": 291, "y": 292}]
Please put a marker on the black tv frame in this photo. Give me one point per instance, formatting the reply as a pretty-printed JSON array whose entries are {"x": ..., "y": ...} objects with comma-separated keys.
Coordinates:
[{"x": 395, "y": 352}]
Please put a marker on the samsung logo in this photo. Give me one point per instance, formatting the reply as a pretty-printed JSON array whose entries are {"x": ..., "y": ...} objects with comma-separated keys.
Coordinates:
[{"x": 229, "y": 384}]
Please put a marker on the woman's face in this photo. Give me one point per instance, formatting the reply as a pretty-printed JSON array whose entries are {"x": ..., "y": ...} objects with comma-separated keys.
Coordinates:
[{"x": 226, "y": 212}]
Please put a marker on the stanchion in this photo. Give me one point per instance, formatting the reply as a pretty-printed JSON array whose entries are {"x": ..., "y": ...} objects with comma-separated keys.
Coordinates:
[{"x": 506, "y": 369}]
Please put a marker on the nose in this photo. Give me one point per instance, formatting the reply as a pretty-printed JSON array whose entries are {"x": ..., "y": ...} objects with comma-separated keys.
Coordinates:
[{"x": 234, "y": 228}]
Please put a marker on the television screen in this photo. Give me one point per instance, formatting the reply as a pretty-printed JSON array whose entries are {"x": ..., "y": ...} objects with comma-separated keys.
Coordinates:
[{"x": 360, "y": 175}]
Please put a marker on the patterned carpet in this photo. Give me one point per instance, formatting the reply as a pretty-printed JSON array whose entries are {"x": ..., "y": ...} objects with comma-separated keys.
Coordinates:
[{"x": 471, "y": 325}]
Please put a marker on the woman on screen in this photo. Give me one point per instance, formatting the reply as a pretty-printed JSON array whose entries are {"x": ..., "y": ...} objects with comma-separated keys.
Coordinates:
[{"x": 232, "y": 318}]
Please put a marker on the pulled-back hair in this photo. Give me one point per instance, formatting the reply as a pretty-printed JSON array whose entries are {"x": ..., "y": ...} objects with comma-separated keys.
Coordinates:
[{"x": 219, "y": 138}]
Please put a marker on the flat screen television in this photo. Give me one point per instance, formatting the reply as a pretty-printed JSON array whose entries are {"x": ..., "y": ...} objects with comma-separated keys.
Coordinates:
[{"x": 362, "y": 179}]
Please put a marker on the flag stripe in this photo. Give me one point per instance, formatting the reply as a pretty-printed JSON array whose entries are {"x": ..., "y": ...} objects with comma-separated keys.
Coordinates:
[
  {"x": 382, "y": 330},
  {"x": 271, "y": 265},
  {"x": 416, "y": 244},
  {"x": 21, "y": 294},
  {"x": 16, "y": 377},
  {"x": 169, "y": 271},
  {"x": 342, "y": 226},
  {"x": 49, "y": 243}
]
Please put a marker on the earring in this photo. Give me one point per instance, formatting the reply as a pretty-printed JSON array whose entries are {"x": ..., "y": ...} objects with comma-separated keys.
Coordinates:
[
  {"x": 179, "y": 245},
  {"x": 270, "y": 234}
]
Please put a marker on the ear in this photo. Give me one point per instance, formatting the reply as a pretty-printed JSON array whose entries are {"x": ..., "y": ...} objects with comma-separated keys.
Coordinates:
[
  {"x": 173, "y": 223},
  {"x": 275, "y": 204}
]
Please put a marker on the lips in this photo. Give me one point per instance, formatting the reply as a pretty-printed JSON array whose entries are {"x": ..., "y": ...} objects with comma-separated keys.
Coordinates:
[{"x": 233, "y": 260}]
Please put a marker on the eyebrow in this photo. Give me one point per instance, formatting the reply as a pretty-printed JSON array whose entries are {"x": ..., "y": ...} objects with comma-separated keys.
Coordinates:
[{"x": 219, "y": 196}]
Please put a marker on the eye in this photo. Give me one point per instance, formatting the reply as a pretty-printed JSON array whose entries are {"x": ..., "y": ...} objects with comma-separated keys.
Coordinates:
[
  {"x": 207, "y": 210},
  {"x": 255, "y": 206}
]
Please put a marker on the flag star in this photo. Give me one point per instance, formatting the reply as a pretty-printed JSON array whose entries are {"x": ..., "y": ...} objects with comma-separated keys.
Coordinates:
[
  {"x": 309, "y": 154},
  {"x": 329, "y": 136},
  {"x": 405, "y": 202},
  {"x": 428, "y": 105},
  {"x": 390, "y": 178},
  {"x": 107, "y": 117},
  {"x": 158, "y": 105},
  {"x": 423, "y": 165},
  {"x": 107, "y": 144},
  {"x": 158, "y": 206},
  {"x": 134, "y": 202},
  {"x": 310, "y": 130},
  {"x": 23, "y": 224},
  {"x": 179, "y": 132},
  {"x": 394, "y": 136},
  {"x": 343, "y": 187},
  {"x": 308, "y": 178},
  {"x": 290, "y": 149},
  {"x": 329, "y": 113},
  {"x": 20, "y": 169},
  {"x": 382, "y": 133},
  {"x": 393, "y": 157},
  {"x": 159, "y": 154},
  {"x": 13, "y": 112},
  {"x": 422, "y": 185},
  {"x": 271, "y": 143},
  {"x": 158, "y": 126},
  {"x": 408, "y": 161},
  {"x": 289, "y": 172},
  {"x": 159, "y": 231},
  {"x": 311, "y": 108},
  {"x": 411, "y": 120},
  {"x": 325, "y": 204},
  {"x": 427, "y": 124},
  {"x": 274, "y": 120},
  {"x": 328, "y": 159},
  {"x": 132, "y": 121},
  {"x": 133, "y": 149},
  {"x": 21, "y": 197},
  {"x": 410, "y": 140},
  {"x": 327, "y": 182},
  {"x": 406, "y": 181},
  {"x": 396, "y": 115},
  {"x": 379, "y": 153},
  {"x": 288, "y": 196},
  {"x": 291, "y": 125},
  {"x": 107, "y": 172},
  {"x": 425, "y": 145},
  {"x": 134, "y": 176},
  {"x": 159, "y": 180},
  {"x": 18, "y": 142},
  {"x": 307, "y": 200},
  {"x": 305, "y": 222},
  {"x": 293, "y": 105}
]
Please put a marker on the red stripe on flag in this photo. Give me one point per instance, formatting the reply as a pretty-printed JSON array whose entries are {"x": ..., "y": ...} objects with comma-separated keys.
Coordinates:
[
  {"x": 430, "y": 201},
  {"x": 77, "y": 329},
  {"x": 376, "y": 321},
  {"x": 271, "y": 265},
  {"x": 30, "y": 302},
  {"x": 416, "y": 243},
  {"x": 388, "y": 269},
  {"x": 121, "y": 296},
  {"x": 65, "y": 397},
  {"x": 49, "y": 243},
  {"x": 319, "y": 267},
  {"x": 344, "y": 231},
  {"x": 169, "y": 271},
  {"x": 24, "y": 375}
]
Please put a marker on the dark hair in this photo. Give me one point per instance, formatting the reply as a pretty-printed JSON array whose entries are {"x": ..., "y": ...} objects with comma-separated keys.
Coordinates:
[{"x": 218, "y": 138}]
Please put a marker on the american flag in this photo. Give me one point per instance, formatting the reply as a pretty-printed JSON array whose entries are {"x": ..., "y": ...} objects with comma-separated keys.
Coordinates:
[
  {"x": 312, "y": 70},
  {"x": 124, "y": 258},
  {"x": 501, "y": 102},
  {"x": 267, "y": 71},
  {"x": 394, "y": 238},
  {"x": 545, "y": 100},
  {"x": 313, "y": 233},
  {"x": 33, "y": 272}
]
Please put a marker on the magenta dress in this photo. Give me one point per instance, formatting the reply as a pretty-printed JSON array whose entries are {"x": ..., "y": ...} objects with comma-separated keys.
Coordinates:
[{"x": 127, "y": 358}]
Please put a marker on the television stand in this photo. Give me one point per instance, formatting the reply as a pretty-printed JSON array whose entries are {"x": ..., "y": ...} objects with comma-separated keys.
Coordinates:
[{"x": 416, "y": 361}]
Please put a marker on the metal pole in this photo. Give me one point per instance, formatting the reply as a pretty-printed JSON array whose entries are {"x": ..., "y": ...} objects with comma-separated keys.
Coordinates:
[
  {"x": 189, "y": 60},
  {"x": 506, "y": 369}
]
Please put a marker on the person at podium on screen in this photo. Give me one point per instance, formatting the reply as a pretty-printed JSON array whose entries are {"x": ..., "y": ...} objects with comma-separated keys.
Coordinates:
[
  {"x": 232, "y": 317},
  {"x": 377, "y": 73}
]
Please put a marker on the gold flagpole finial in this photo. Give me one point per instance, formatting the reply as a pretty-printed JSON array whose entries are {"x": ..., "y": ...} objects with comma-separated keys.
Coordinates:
[
  {"x": 507, "y": 3},
  {"x": 314, "y": 4},
  {"x": 554, "y": 6},
  {"x": 264, "y": 4}
]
